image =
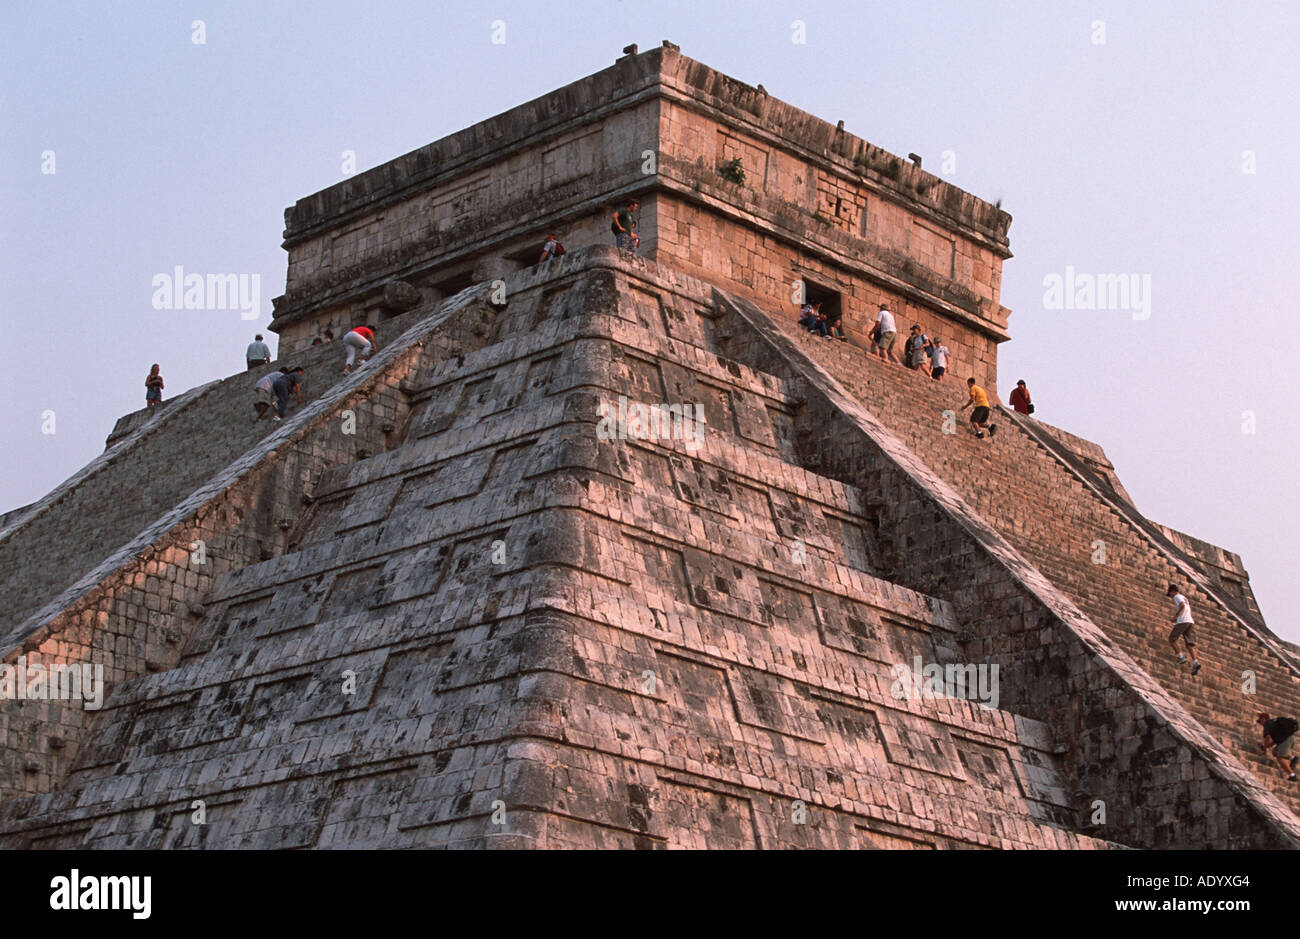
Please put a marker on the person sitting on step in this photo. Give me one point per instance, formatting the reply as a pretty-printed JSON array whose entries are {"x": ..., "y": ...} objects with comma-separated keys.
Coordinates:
[
  {"x": 809, "y": 316},
  {"x": 835, "y": 325}
]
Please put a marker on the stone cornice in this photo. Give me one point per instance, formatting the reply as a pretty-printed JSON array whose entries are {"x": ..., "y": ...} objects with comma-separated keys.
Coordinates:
[
  {"x": 587, "y": 101},
  {"x": 833, "y": 150},
  {"x": 437, "y": 250},
  {"x": 661, "y": 72}
]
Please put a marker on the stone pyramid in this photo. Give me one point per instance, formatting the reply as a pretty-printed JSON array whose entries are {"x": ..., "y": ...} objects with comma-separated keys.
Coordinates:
[{"x": 605, "y": 551}]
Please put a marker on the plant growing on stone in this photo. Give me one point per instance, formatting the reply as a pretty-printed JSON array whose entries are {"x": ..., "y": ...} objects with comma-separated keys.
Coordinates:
[{"x": 733, "y": 171}]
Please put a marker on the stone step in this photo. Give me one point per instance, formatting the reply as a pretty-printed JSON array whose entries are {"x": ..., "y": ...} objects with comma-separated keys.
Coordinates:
[
  {"x": 1013, "y": 476},
  {"x": 152, "y": 463}
]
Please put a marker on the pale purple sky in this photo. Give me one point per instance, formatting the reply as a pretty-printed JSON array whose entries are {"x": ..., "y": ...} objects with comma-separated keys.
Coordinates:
[{"x": 1126, "y": 156}]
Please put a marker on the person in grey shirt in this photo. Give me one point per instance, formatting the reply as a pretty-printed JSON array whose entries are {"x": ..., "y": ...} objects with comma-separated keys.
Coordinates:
[{"x": 257, "y": 353}]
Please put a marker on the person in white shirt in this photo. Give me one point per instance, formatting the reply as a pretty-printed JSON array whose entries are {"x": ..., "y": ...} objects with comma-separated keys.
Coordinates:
[
  {"x": 938, "y": 353},
  {"x": 883, "y": 344},
  {"x": 1183, "y": 624}
]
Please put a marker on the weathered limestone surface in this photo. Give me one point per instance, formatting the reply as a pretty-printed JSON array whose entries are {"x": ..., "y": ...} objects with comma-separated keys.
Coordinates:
[
  {"x": 500, "y": 629},
  {"x": 442, "y": 605},
  {"x": 130, "y": 612},
  {"x": 1059, "y": 524},
  {"x": 817, "y": 204},
  {"x": 643, "y": 627}
]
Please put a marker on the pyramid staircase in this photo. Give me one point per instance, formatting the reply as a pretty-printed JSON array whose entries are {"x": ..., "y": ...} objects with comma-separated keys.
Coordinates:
[{"x": 1090, "y": 543}]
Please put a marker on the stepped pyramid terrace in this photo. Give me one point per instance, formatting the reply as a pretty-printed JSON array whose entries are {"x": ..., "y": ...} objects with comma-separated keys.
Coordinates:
[{"x": 607, "y": 551}]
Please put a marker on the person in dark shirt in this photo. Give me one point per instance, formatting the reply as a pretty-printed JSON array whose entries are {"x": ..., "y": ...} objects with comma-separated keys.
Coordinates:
[
  {"x": 153, "y": 387},
  {"x": 808, "y": 316},
  {"x": 624, "y": 227},
  {"x": 835, "y": 325},
  {"x": 820, "y": 324},
  {"x": 274, "y": 388},
  {"x": 1279, "y": 733},
  {"x": 296, "y": 373}
]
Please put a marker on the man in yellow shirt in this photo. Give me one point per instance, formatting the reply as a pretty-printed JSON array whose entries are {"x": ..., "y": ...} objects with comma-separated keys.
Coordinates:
[{"x": 979, "y": 418}]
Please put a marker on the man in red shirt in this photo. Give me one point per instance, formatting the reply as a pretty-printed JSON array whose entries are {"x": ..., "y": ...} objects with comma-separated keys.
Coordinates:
[
  {"x": 359, "y": 340},
  {"x": 1020, "y": 398}
]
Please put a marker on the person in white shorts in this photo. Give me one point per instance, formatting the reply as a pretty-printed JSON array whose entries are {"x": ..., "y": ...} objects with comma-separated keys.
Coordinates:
[{"x": 887, "y": 332}]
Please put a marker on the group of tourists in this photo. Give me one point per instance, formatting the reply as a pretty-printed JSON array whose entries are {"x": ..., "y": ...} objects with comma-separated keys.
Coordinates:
[
  {"x": 828, "y": 325},
  {"x": 921, "y": 353},
  {"x": 1279, "y": 733},
  {"x": 930, "y": 356},
  {"x": 273, "y": 390}
]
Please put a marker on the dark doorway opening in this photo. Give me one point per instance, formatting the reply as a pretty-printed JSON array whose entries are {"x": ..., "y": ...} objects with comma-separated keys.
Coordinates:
[
  {"x": 525, "y": 257},
  {"x": 831, "y": 301},
  {"x": 448, "y": 286}
]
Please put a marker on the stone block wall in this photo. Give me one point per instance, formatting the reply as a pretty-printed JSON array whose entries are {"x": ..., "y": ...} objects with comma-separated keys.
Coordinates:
[
  {"x": 131, "y": 613},
  {"x": 1176, "y": 785},
  {"x": 783, "y": 177},
  {"x": 487, "y": 194},
  {"x": 502, "y": 627},
  {"x": 499, "y": 585},
  {"x": 770, "y": 271},
  {"x": 817, "y": 202}
]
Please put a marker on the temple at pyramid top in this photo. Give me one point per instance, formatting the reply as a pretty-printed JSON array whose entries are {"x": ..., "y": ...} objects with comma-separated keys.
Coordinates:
[{"x": 733, "y": 185}]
